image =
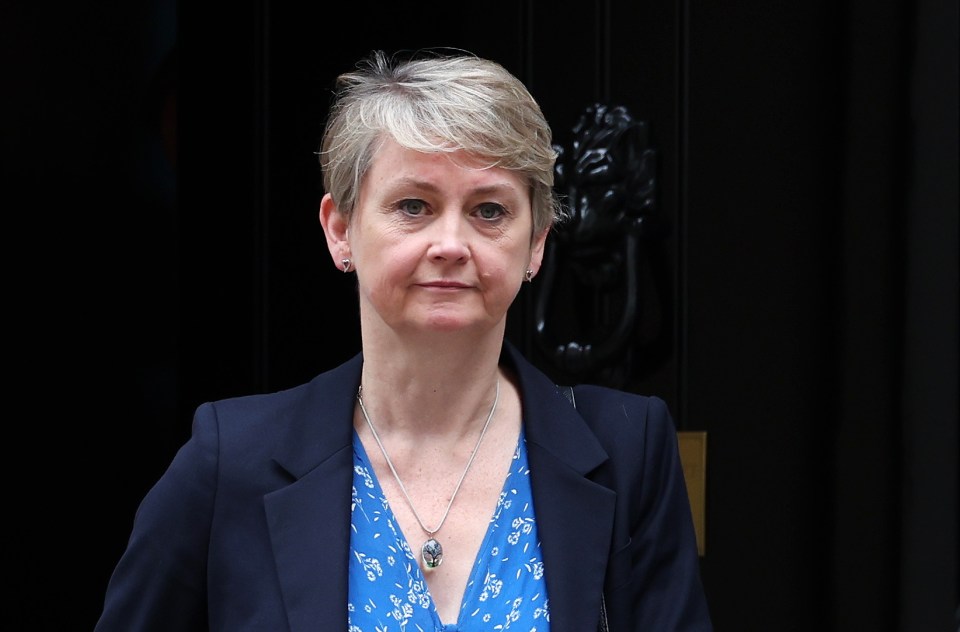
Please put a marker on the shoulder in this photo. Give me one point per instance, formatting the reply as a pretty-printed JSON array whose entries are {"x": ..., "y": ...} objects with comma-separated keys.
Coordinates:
[
  {"x": 636, "y": 431},
  {"x": 254, "y": 409},
  {"x": 248, "y": 423},
  {"x": 301, "y": 423},
  {"x": 277, "y": 409},
  {"x": 610, "y": 411}
]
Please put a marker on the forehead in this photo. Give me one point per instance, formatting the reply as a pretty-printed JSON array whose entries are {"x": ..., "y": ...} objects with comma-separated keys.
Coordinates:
[{"x": 395, "y": 165}]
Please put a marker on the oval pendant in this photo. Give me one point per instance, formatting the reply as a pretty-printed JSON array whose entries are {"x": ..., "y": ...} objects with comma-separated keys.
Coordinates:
[{"x": 432, "y": 553}]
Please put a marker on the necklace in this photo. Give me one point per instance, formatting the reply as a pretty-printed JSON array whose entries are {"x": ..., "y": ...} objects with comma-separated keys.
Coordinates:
[{"x": 430, "y": 552}]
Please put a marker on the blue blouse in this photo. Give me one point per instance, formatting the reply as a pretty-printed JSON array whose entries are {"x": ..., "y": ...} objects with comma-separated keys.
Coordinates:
[{"x": 388, "y": 592}]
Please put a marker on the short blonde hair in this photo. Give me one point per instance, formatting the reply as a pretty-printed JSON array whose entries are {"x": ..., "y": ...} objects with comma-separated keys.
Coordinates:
[{"x": 437, "y": 103}]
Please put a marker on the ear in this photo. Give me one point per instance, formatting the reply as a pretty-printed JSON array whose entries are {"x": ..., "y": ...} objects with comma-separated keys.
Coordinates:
[
  {"x": 335, "y": 227},
  {"x": 536, "y": 250}
]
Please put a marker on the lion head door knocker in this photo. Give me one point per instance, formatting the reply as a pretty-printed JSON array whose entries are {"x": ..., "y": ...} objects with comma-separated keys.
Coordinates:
[{"x": 600, "y": 266}]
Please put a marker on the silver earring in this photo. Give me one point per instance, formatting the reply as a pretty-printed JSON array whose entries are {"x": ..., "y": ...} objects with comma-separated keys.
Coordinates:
[
  {"x": 346, "y": 265},
  {"x": 528, "y": 275}
]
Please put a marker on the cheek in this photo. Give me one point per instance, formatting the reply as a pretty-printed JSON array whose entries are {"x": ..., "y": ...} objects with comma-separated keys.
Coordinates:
[
  {"x": 387, "y": 253},
  {"x": 379, "y": 290},
  {"x": 386, "y": 265},
  {"x": 507, "y": 260},
  {"x": 503, "y": 277}
]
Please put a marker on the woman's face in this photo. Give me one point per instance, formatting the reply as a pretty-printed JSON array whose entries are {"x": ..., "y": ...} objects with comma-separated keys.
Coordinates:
[{"x": 439, "y": 242}]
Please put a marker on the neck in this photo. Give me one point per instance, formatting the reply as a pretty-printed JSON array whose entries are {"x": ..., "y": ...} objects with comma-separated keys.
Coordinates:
[
  {"x": 437, "y": 407},
  {"x": 439, "y": 387},
  {"x": 430, "y": 347}
]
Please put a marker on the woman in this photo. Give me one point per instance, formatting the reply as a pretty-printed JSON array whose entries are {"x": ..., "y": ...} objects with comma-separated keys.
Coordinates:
[{"x": 437, "y": 481}]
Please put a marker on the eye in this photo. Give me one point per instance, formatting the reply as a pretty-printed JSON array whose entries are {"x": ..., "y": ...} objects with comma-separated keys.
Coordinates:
[
  {"x": 490, "y": 211},
  {"x": 412, "y": 207}
]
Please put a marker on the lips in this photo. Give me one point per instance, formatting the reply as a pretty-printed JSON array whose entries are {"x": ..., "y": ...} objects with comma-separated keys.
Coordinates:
[{"x": 445, "y": 285}]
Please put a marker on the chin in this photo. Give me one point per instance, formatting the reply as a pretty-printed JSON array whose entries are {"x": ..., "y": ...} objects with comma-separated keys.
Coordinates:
[{"x": 451, "y": 323}]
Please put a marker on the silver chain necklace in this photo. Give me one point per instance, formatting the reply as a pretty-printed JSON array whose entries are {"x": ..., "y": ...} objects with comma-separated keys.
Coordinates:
[{"x": 430, "y": 552}]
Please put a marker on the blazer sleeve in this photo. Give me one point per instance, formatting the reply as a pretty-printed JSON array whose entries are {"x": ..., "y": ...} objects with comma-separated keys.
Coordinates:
[
  {"x": 159, "y": 582},
  {"x": 653, "y": 578},
  {"x": 669, "y": 588}
]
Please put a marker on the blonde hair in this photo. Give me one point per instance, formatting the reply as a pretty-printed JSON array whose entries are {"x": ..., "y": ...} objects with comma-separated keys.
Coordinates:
[{"x": 437, "y": 103}]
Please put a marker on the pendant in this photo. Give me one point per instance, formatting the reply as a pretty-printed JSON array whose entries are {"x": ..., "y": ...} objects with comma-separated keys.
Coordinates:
[{"x": 432, "y": 553}]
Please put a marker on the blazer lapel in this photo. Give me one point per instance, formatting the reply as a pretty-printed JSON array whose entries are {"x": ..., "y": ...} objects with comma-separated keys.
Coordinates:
[
  {"x": 574, "y": 514},
  {"x": 309, "y": 520}
]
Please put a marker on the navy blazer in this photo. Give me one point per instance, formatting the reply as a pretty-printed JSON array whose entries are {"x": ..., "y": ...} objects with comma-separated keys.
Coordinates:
[{"x": 249, "y": 527}]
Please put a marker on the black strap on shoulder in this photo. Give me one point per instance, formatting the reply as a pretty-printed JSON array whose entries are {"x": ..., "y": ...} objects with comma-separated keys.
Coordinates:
[{"x": 568, "y": 393}]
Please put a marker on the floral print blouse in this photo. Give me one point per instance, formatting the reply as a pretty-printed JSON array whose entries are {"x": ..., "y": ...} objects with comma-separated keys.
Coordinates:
[{"x": 388, "y": 592}]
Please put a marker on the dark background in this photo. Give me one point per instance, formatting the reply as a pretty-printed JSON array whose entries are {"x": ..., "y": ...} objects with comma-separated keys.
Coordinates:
[{"x": 807, "y": 171}]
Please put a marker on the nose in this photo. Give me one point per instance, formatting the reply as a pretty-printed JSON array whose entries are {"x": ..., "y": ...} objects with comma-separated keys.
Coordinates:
[{"x": 448, "y": 238}]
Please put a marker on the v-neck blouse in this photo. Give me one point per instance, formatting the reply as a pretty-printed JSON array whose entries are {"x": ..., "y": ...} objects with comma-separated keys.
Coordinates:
[{"x": 387, "y": 590}]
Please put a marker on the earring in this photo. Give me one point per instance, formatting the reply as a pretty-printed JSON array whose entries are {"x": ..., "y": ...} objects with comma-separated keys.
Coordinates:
[
  {"x": 528, "y": 275},
  {"x": 346, "y": 265}
]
